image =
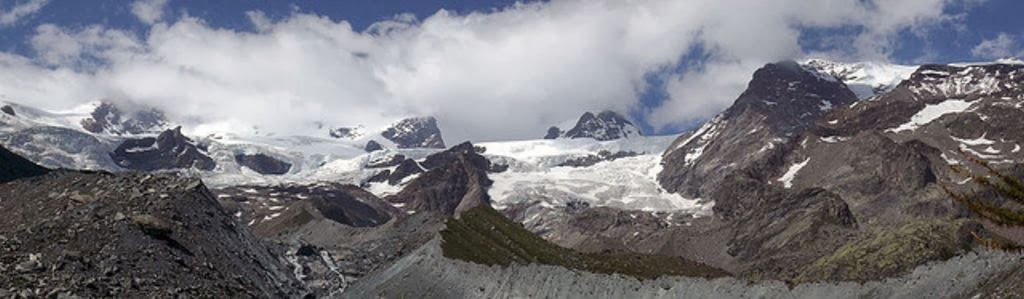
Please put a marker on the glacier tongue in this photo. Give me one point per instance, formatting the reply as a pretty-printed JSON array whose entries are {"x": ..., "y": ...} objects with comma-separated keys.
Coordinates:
[{"x": 534, "y": 176}]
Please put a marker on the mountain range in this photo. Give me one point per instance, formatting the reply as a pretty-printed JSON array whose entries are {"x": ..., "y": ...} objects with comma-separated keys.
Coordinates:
[{"x": 822, "y": 179}]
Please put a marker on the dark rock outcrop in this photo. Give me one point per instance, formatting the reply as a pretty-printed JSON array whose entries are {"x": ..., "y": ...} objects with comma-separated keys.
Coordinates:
[
  {"x": 372, "y": 146},
  {"x": 417, "y": 132},
  {"x": 169, "y": 150},
  {"x": 263, "y": 164},
  {"x": 553, "y": 133},
  {"x": 13, "y": 167},
  {"x": 7, "y": 109},
  {"x": 604, "y": 126},
  {"x": 109, "y": 119},
  {"x": 131, "y": 236}
]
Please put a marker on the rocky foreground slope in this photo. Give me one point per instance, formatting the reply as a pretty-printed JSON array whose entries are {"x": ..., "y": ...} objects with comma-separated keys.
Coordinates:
[{"x": 129, "y": 235}]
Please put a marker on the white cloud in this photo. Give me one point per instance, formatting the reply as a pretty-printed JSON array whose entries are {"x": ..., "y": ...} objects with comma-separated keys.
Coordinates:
[
  {"x": 497, "y": 75},
  {"x": 21, "y": 10},
  {"x": 149, "y": 11},
  {"x": 1002, "y": 46}
]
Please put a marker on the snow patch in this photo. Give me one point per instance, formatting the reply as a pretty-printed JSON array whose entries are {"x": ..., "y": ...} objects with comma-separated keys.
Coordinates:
[
  {"x": 787, "y": 178},
  {"x": 976, "y": 141},
  {"x": 932, "y": 112},
  {"x": 833, "y": 139}
]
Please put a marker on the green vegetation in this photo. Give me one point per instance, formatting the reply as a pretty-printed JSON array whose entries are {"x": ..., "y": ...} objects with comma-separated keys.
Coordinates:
[
  {"x": 889, "y": 252},
  {"x": 484, "y": 236},
  {"x": 1008, "y": 187}
]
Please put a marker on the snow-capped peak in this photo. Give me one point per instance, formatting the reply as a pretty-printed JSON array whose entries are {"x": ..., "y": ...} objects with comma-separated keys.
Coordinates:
[
  {"x": 865, "y": 79},
  {"x": 607, "y": 125}
]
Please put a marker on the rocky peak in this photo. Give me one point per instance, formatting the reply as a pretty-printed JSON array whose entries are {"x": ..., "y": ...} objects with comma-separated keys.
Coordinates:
[
  {"x": 782, "y": 100},
  {"x": 790, "y": 97},
  {"x": 606, "y": 125},
  {"x": 109, "y": 119},
  {"x": 170, "y": 150},
  {"x": 456, "y": 181},
  {"x": 416, "y": 132}
]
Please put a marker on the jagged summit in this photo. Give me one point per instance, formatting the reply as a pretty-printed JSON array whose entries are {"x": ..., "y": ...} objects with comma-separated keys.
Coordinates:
[
  {"x": 606, "y": 125},
  {"x": 415, "y": 132}
]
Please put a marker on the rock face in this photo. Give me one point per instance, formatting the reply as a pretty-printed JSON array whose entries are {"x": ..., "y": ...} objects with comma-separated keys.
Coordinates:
[
  {"x": 13, "y": 167},
  {"x": 130, "y": 236},
  {"x": 274, "y": 209},
  {"x": 417, "y": 132},
  {"x": 169, "y": 150},
  {"x": 108, "y": 119},
  {"x": 606, "y": 125},
  {"x": 781, "y": 101},
  {"x": 263, "y": 164},
  {"x": 456, "y": 181},
  {"x": 372, "y": 146}
]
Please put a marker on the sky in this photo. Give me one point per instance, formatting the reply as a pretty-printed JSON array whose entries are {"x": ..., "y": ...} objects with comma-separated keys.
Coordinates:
[{"x": 488, "y": 70}]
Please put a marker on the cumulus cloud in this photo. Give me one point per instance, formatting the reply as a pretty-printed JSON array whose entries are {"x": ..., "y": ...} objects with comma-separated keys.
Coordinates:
[
  {"x": 503, "y": 74},
  {"x": 1002, "y": 46},
  {"x": 21, "y": 10},
  {"x": 149, "y": 11}
]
